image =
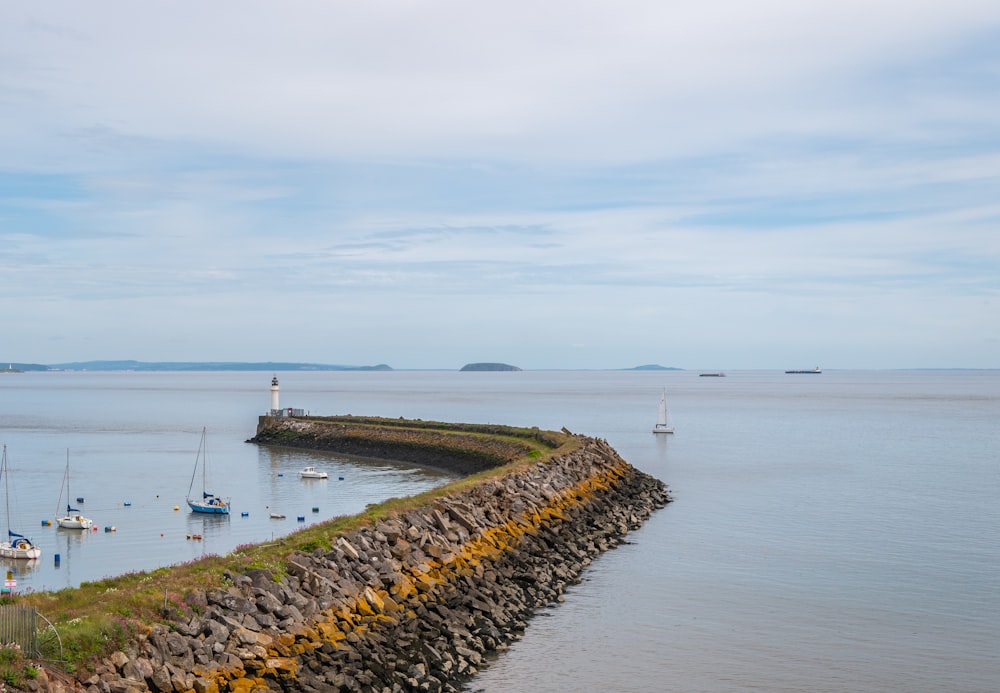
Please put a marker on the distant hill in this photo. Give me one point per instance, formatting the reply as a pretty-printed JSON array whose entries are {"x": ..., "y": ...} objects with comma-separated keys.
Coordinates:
[
  {"x": 489, "y": 367},
  {"x": 22, "y": 367},
  {"x": 195, "y": 366},
  {"x": 149, "y": 366}
]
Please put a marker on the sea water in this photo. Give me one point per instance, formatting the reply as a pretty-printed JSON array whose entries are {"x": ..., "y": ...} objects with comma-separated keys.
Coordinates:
[{"x": 831, "y": 532}]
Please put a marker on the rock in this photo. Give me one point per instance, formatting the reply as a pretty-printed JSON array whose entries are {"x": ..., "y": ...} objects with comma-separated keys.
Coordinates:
[{"x": 411, "y": 603}]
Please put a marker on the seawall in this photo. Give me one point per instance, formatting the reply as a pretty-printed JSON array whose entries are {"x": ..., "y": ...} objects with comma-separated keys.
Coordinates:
[{"x": 413, "y": 600}]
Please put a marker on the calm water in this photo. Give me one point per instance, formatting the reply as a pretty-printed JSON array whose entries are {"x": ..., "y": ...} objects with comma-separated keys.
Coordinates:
[{"x": 838, "y": 532}]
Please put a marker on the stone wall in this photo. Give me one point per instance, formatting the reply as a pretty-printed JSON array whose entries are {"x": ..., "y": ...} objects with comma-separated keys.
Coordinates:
[{"x": 415, "y": 602}]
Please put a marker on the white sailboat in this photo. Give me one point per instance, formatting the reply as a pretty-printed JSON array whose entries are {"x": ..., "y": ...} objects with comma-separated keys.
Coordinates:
[
  {"x": 72, "y": 519},
  {"x": 661, "y": 417},
  {"x": 17, "y": 545},
  {"x": 209, "y": 502}
]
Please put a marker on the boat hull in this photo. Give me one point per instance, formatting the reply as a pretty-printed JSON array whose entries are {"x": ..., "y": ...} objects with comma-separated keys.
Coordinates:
[
  {"x": 662, "y": 429},
  {"x": 19, "y": 549},
  {"x": 75, "y": 522},
  {"x": 216, "y": 508}
]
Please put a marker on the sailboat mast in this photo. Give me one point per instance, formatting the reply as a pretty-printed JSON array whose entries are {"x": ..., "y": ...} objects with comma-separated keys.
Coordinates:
[
  {"x": 6, "y": 490},
  {"x": 204, "y": 464},
  {"x": 194, "y": 472},
  {"x": 64, "y": 487}
]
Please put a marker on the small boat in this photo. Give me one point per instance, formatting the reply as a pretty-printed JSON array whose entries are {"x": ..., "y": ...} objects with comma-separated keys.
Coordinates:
[
  {"x": 715, "y": 374},
  {"x": 72, "y": 519},
  {"x": 313, "y": 473},
  {"x": 17, "y": 545},
  {"x": 661, "y": 417},
  {"x": 209, "y": 502},
  {"x": 277, "y": 516},
  {"x": 817, "y": 369}
]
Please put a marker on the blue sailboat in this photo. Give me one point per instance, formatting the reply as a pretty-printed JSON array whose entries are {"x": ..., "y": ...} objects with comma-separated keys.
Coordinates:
[{"x": 209, "y": 502}]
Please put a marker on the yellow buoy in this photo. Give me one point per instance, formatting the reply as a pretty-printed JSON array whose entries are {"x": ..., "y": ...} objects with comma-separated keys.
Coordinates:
[{"x": 177, "y": 507}]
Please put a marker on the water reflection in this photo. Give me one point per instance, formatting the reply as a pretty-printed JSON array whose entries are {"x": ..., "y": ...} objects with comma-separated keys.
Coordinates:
[
  {"x": 15, "y": 567},
  {"x": 207, "y": 525},
  {"x": 662, "y": 445},
  {"x": 69, "y": 543},
  {"x": 207, "y": 533}
]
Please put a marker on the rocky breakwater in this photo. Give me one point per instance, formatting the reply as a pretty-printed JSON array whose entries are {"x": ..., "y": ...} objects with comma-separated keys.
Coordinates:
[
  {"x": 413, "y": 600},
  {"x": 461, "y": 448}
]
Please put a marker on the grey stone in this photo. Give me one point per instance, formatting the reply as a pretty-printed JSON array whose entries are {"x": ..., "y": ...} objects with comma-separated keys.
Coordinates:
[{"x": 479, "y": 611}]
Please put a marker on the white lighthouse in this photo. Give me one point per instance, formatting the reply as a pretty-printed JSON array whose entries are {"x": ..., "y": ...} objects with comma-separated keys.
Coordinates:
[{"x": 275, "y": 407}]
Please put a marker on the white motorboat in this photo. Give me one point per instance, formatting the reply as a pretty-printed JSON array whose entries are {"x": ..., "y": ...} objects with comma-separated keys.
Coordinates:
[{"x": 313, "y": 473}]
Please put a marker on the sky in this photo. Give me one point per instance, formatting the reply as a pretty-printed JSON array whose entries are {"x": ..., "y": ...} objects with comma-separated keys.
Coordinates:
[{"x": 565, "y": 184}]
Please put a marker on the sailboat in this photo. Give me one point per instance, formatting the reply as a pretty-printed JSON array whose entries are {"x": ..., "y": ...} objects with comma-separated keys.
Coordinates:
[
  {"x": 72, "y": 519},
  {"x": 661, "y": 417},
  {"x": 17, "y": 545},
  {"x": 209, "y": 502}
]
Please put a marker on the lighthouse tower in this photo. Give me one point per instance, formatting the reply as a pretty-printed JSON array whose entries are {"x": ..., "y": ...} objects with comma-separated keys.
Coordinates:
[{"x": 275, "y": 407}]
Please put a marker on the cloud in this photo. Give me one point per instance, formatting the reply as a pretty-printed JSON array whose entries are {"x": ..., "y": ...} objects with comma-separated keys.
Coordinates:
[
  {"x": 637, "y": 80},
  {"x": 511, "y": 175}
]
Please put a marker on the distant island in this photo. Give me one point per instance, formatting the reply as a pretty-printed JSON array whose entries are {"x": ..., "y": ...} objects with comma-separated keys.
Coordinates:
[
  {"x": 191, "y": 366},
  {"x": 489, "y": 367}
]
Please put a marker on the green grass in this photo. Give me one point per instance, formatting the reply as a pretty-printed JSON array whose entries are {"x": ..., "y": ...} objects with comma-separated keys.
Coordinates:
[{"x": 15, "y": 669}]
